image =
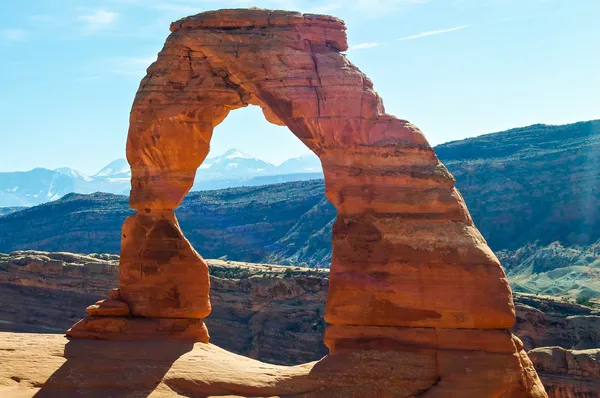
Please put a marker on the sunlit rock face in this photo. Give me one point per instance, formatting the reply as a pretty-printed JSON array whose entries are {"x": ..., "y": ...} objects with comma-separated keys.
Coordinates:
[{"x": 409, "y": 268}]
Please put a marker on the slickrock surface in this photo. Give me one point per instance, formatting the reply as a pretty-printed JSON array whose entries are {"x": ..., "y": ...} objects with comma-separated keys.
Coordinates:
[
  {"x": 50, "y": 366},
  {"x": 266, "y": 312}
]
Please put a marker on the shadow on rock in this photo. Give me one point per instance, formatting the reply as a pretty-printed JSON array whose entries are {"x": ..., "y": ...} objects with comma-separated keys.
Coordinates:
[{"x": 89, "y": 370}]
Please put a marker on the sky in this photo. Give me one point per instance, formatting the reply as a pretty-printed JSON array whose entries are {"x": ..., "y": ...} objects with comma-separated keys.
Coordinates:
[{"x": 69, "y": 70}]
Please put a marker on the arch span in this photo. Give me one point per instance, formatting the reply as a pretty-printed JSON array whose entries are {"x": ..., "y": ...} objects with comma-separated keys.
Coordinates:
[
  {"x": 407, "y": 259},
  {"x": 405, "y": 251}
]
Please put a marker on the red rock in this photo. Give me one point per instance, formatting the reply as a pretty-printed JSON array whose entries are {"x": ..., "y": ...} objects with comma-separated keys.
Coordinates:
[
  {"x": 405, "y": 251},
  {"x": 161, "y": 275},
  {"x": 549, "y": 321},
  {"x": 128, "y": 328},
  {"x": 568, "y": 373},
  {"x": 114, "y": 294},
  {"x": 108, "y": 308},
  {"x": 174, "y": 368}
]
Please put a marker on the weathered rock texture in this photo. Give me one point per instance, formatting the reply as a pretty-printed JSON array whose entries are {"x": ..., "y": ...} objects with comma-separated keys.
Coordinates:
[
  {"x": 50, "y": 366},
  {"x": 266, "y": 312},
  {"x": 411, "y": 277},
  {"x": 569, "y": 373},
  {"x": 544, "y": 321}
]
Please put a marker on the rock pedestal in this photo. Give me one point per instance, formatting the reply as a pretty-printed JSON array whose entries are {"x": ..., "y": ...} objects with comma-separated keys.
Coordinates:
[
  {"x": 409, "y": 269},
  {"x": 112, "y": 319}
]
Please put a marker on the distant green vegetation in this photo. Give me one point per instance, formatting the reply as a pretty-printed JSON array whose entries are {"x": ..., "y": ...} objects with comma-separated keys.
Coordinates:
[
  {"x": 555, "y": 270},
  {"x": 533, "y": 184},
  {"x": 237, "y": 270}
]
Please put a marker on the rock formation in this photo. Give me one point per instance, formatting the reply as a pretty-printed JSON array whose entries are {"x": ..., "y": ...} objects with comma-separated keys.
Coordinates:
[
  {"x": 267, "y": 312},
  {"x": 91, "y": 368},
  {"x": 273, "y": 313},
  {"x": 411, "y": 276},
  {"x": 544, "y": 321},
  {"x": 569, "y": 373}
]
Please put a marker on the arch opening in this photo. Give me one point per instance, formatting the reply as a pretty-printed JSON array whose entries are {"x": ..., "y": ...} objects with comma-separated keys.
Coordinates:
[
  {"x": 264, "y": 144},
  {"x": 213, "y": 221}
]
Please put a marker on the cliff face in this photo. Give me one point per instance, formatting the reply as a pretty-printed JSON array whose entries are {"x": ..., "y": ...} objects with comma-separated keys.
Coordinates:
[
  {"x": 275, "y": 313},
  {"x": 548, "y": 321},
  {"x": 568, "y": 373},
  {"x": 268, "y": 312}
]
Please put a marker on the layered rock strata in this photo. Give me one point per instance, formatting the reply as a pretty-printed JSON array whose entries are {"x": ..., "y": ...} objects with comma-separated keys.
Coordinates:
[
  {"x": 407, "y": 260},
  {"x": 569, "y": 373},
  {"x": 275, "y": 314},
  {"x": 544, "y": 321},
  {"x": 267, "y": 312}
]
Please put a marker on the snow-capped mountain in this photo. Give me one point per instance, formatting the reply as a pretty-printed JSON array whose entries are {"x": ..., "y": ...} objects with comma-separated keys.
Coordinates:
[
  {"x": 73, "y": 173},
  {"x": 231, "y": 169},
  {"x": 309, "y": 163},
  {"x": 115, "y": 169},
  {"x": 233, "y": 164},
  {"x": 28, "y": 188}
]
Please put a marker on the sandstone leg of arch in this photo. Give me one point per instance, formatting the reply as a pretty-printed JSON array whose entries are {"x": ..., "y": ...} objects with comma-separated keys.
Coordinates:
[
  {"x": 409, "y": 271},
  {"x": 164, "y": 283},
  {"x": 164, "y": 286},
  {"x": 161, "y": 275}
]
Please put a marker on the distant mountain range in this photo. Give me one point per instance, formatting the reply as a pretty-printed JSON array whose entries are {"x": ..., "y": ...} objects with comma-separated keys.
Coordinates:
[
  {"x": 533, "y": 192},
  {"x": 232, "y": 169}
]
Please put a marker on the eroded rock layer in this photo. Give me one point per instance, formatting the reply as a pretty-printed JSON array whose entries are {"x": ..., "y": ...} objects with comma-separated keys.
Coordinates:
[
  {"x": 275, "y": 314},
  {"x": 161, "y": 275},
  {"x": 569, "y": 373},
  {"x": 406, "y": 254}
]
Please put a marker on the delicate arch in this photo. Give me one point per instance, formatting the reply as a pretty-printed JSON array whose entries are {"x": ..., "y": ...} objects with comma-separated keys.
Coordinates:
[
  {"x": 405, "y": 251},
  {"x": 410, "y": 273}
]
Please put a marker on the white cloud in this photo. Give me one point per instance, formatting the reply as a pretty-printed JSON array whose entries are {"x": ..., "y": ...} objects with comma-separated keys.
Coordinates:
[
  {"x": 433, "y": 32},
  {"x": 13, "y": 34},
  {"x": 361, "y": 46},
  {"x": 131, "y": 66},
  {"x": 96, "y": 20}
]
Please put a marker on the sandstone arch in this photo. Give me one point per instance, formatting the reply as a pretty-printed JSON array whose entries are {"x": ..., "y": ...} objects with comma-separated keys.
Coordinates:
[{"x": 409, "y": 268}]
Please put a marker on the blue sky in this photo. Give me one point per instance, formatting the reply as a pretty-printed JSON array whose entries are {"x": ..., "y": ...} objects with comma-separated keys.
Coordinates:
[{"x": 456, "y": 68}]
